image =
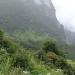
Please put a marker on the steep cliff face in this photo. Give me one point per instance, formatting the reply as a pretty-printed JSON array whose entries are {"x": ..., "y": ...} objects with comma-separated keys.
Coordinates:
[{"x": 38, "y": 15}]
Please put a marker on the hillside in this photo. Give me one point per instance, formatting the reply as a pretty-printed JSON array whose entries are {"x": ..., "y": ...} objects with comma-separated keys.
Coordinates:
[
  {"x": 28, "y": 22},
  {"x": 16, "y": 60},
  {"x": 32, "y": 41}
]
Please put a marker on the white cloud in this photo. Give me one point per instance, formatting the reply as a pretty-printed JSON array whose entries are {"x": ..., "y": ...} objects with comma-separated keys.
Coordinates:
[{"x": 65, "y": 12}]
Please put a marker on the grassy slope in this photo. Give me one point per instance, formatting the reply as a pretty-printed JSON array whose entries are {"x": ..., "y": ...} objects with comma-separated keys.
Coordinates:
[{"x": 16, "y": 60}]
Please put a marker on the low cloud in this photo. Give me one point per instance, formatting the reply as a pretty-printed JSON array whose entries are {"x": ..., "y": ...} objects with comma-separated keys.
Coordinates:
[{"x": 65, "y": 12}]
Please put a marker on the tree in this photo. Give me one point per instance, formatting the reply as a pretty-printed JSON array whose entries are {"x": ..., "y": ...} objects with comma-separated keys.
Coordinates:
[
  {"x": 50, "y": 46},
  {"x": 1, "y": 38},
  {"x": 1, "y": 35}
]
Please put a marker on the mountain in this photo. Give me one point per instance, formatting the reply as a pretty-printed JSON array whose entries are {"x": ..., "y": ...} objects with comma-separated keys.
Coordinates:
[
  {"x": 38, "y": 15},
  {"x": 33, "y": 22},
  {"x": 70, "y": 37}
]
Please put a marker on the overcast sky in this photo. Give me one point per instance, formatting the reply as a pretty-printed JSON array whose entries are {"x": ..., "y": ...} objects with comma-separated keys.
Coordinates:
[{"x": 65, "y": 12}]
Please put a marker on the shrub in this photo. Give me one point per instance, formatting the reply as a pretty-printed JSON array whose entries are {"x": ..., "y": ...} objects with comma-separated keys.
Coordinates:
[
  {"x": 41, "y": 55},
  {"x": 21, "y": 60},
  {"x": 9, "y": 45}
]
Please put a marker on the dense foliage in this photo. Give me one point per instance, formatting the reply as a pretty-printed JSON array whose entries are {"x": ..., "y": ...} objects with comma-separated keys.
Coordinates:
[{"x": 15, "y": 59}]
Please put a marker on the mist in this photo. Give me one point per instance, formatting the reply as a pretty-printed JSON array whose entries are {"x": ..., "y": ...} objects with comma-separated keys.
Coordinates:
[{"x": 65, "y": 13}]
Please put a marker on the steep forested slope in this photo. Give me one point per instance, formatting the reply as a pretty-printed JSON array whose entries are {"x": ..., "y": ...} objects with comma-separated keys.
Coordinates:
[
  {"x": 30, "y": 22},
  {"x": 16, "y": 60}
]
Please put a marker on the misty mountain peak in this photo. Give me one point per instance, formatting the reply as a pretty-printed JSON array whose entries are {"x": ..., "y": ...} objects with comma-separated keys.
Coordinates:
[
  {"x": 45, "y": 2},
  {"x": 34, "y": 14}
]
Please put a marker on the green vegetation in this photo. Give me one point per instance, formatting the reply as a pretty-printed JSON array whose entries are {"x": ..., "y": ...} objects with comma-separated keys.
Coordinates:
[
  {"x": 37, "y": 44},
  {"x": 31, "y": 39},
  {"x": 16, "y": 59}
]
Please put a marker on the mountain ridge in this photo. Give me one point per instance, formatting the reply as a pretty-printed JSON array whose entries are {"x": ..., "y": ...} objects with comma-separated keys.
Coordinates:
[{"x": 30, "y": 15}]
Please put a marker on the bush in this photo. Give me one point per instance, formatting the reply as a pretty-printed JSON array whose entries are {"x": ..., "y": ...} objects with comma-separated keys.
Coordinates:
[
  {"x": 51, "y": 58},
  {"x": 9, "y": 45},
  {"x": 69, "y": 70},
  {"x": 41, "y": 55},
  {"x": 21, "y": 60}
]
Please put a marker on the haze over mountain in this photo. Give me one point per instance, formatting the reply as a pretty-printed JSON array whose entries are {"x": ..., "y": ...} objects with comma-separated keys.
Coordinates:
[
  {"x": 32, "y": 41},
  {"x": 65, "y": 13},
  {"x": 37, "y": 15}
]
